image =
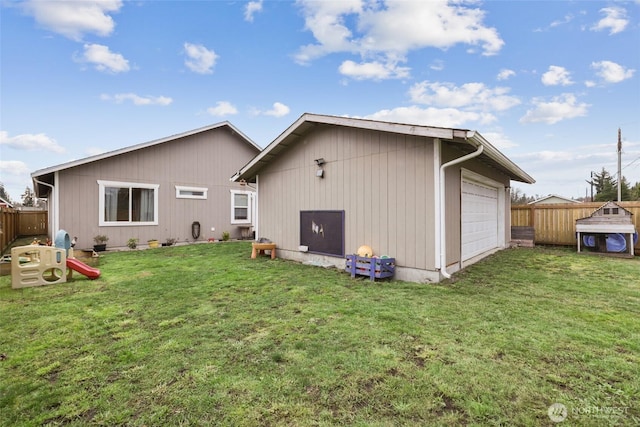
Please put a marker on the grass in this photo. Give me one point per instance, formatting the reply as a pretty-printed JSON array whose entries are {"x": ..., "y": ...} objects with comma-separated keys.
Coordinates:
[{"x": 204, "y": 335}]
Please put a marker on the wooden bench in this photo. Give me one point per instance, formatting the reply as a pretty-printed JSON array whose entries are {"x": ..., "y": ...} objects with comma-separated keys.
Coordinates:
[{"x": 261, "y": 247}]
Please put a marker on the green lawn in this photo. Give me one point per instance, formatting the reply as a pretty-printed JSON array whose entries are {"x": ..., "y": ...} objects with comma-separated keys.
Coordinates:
[{"x": 204, "y": 335}]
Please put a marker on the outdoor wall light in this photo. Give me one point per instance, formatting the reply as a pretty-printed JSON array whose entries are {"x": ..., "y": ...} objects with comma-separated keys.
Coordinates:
[{"x": 320, "y": 172}]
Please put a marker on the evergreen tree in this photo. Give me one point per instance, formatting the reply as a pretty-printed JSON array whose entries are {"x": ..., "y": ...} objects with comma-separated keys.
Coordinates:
[
  {"x": 605, "y": 186},
  {"x": 4, "y": 194},
  {"x": 634, "y": 192},
  {"x": 625, "y": 191},
  {"x": 29, "y": 198}
]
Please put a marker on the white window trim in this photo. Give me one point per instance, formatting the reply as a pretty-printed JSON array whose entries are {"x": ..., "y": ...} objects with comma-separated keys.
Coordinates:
[
  {"x": 101, "y": 186},
  {"x": 182, "y": 192},
  {"x": 249, "y": 208}
]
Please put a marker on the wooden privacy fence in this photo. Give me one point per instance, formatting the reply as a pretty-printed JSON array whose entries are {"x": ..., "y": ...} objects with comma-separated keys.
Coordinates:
[
  {"x": 555, "y": 224},
  {"x": 15, "y": 223}
]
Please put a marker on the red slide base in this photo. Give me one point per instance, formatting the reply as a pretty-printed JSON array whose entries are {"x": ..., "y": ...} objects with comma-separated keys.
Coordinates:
[{"x": 82, "y": 268}]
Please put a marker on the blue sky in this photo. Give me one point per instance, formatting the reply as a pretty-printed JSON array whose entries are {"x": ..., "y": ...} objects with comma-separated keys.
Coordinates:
[{"x": 547, "y": 82}]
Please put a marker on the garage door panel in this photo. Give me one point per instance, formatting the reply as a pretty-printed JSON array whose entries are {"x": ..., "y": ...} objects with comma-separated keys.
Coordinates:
[{"x": 479, "y": 219}]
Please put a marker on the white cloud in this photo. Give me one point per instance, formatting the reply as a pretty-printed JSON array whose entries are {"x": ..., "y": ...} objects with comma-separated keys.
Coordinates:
[
  {"x": 15, "y": 177},
  {"x": 74, "y": 18},
  {"x": 251, "y": 8},
  {"x": 390, "y": 29},
  {"x": 103, "y": 59},
  {"x": 565, "y": 172},
  {"x": 13, "y": 167},
  {"x": 437, "y": 65},
  {"x": 505, "y": 74},
  {"x": 373, "y": 70},
  {"x": 499, "y": 140},
  {"x": 119, "y": 98},
  {"x": 278, "y": 110},
  {"x": 326, "y": 21},
  {"x": 474, "y": 96},
  {"x": 567, "y": 19},
  {"x": 441, "y": 117},
  {"x": 557, "y": 76},
  {"x": 615, "y": 20},
  {"x": 611, "y": 72},
  {"x": 560, "y": 108},
  {"x": 222, "y": 108},
  {"x": 200, "y": 59},
  {"x": 31, "y": 142}
]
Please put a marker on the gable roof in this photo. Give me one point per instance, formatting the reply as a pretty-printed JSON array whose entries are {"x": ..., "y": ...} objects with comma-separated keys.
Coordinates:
[
  {"x": 6, "y": 203},
  {"x": 554, "y": 196},
  {"x": 45, "y": 173},
  {"x": 464, "y": 139},
  {"x": 609, "y": 204}
]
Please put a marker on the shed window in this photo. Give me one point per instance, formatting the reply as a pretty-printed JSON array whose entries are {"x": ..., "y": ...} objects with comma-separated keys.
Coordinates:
[
  {"x": 241, "y": 207},
  {"x": 191, "y": 192},
  {"x": 123, "y": 203}
]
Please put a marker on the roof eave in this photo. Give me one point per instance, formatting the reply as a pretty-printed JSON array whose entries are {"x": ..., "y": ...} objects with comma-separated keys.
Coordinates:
[
  {"x": 250, "y": 170},
  {"x": 135, "y": 147},
  {"x": 515, "y": 172}
]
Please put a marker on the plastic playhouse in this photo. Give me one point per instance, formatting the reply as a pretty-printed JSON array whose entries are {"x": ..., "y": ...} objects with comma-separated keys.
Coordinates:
[{"x": 36, "y": 265}]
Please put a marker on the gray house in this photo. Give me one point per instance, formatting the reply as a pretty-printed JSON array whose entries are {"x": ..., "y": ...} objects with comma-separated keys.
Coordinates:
[
  {"x": 175, "y": 187},
  {"x": 435, "y": 199}
]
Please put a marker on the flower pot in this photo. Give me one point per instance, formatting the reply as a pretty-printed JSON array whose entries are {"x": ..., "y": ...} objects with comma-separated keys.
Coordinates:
[
  {"x": 153, "y": 243},
  {"x": 100, "y": 247}
]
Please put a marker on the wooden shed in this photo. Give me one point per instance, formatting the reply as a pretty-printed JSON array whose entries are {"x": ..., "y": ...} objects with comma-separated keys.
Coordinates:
[{"x": 609, "y": 229}]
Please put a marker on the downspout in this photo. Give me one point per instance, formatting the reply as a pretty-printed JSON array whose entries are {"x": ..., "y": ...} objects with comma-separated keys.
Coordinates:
[
  {"x": 54, "y": 220},
  {"x": 443, "y": 237},
  {"x": 256, "y": 213}
]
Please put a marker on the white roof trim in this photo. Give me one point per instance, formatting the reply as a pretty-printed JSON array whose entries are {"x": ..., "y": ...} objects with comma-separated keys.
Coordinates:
[
  {"x": 131, "y": 148},
  {"x": 556, "y": 196},
  {"x": 443, "y": 134}
]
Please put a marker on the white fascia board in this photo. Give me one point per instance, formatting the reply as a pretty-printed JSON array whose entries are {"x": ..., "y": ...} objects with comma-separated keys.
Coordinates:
[
  {"x": 500, "y": 158},
  {"x": 406, "y": 129},
  {"x": 605, "y": 228},
  {"x": 131, "y": 148}
]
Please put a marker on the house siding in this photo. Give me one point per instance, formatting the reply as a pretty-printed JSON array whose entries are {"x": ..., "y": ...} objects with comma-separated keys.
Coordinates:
[
  {"x": 205, "y": 159},
  {"x": 383, "y": 181}
]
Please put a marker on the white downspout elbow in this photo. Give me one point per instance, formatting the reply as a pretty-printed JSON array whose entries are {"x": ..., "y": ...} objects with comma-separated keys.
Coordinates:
[
  {"x": 443, "y": 237},
  {"x": 55, "y": 207}
]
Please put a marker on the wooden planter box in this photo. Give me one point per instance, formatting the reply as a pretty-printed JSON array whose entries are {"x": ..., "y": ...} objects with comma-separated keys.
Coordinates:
[{"x": 374, "y": 268}]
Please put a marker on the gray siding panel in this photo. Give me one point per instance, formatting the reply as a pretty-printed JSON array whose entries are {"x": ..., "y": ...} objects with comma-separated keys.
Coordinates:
[
  {"x": 205, "y": 159},
  {"x": 383, "y": 182}
]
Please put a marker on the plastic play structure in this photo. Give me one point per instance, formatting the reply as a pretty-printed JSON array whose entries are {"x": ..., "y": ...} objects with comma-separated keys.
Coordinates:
[{"x": 36, "y": 265}]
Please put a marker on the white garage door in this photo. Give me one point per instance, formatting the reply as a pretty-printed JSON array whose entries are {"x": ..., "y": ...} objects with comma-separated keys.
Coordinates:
[{"x": 479, "y": 219}]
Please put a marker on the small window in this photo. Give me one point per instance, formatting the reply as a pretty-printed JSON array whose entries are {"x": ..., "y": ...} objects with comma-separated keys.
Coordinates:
[
  {"x": 614, "y": 211},
  {"x": 607, "y": 211},
  {"x": 191, "y": 192},
  {"x": 241, "y": 207}
]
